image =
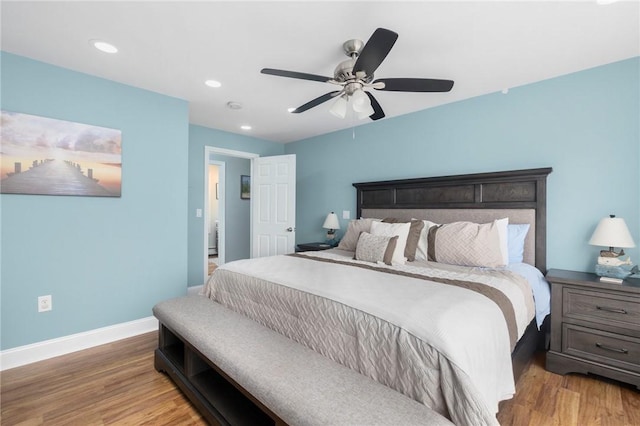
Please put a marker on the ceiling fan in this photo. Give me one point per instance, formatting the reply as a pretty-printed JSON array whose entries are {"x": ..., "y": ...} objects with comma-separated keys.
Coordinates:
[{"x": 356, "y": 74}]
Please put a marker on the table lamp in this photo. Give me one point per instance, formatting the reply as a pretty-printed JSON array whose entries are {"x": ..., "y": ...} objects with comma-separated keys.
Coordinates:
[
  {"x": 331, "y": 223},
  {"x": 612, "y": 232}
]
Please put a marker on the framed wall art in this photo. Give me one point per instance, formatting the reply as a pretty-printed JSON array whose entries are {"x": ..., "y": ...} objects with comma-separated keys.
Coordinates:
[
  {"x": 245, "y": 187},
  {"x": 55, "y": 157}
]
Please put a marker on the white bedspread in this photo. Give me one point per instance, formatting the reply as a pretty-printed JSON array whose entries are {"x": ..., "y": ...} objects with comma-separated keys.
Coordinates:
[{"x": 440, "y": 344}]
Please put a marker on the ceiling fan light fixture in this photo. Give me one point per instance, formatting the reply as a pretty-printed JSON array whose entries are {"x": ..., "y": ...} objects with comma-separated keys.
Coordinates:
[
  {"x": 357, "y": 73},
  {"x": 367, "y": 112},
  {"x": 360, "y": 101},
  {"x": 339, "y": 107}
]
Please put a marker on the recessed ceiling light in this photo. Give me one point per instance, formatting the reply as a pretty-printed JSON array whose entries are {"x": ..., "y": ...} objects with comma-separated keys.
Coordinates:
[
  {"x": 245, "y": 127},
  {"x": 103, "y": 46},
  {"x": 290, "y": 109},
  {"x": 213, "y": 83}
]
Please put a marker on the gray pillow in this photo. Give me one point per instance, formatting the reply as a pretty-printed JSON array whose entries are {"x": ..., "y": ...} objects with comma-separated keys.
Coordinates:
[
  {"x": 466, "y": 244},
  {"x": 375, "y": 248},
  {"x": 355, "y": 227}
]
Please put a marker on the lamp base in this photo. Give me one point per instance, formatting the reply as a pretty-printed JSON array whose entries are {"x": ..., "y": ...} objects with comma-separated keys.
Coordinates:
[
  {"x": 332, "y": 239},
  {"x": 617, "y": 273},
  {"x": 611, "y": 253}
]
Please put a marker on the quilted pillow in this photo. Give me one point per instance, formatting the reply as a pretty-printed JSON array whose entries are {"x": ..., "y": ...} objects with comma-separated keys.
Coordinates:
[
  {"x": 375, "y": 248},
  {"x": 466, "y": 244},
  {"x": 355, "y": 227},
  {"x": 391, "y": 230}
]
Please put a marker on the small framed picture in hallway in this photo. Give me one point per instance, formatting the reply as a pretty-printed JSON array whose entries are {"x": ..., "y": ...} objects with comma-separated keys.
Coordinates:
[
  {"x": 46, "y": 156},
  {"x": 245, "y": 187}
]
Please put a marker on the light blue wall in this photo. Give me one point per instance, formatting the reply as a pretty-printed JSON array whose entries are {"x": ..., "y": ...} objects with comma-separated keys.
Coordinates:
[
  {"x": 585, "y": 125},
  {"x": 104, "y": 260},
  {"x": 199, "y": 138}
]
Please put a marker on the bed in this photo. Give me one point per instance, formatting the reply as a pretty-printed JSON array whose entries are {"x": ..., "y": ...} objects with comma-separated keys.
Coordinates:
[{"x": 453, "y": 337}]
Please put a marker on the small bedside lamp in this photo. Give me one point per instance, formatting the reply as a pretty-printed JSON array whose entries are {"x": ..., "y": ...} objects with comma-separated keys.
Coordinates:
[
  {"x": 612, "y": 232},
  {"x": 331, "y": 223}
]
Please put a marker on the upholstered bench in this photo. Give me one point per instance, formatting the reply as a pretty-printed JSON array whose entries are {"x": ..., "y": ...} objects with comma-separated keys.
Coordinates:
[{"x": 237, "y": 371}]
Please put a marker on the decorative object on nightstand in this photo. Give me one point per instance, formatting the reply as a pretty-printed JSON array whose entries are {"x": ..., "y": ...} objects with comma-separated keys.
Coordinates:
[
  {"x": 331, "y": 223},
  {"x": 595, "y": 326},
  {"x": 612, "y": 232}
]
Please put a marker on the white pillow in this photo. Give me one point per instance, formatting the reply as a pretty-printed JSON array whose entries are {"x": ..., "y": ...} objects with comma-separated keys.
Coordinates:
[
  {"x": 503, "y": 232},
  {"x": 391, "y": 230},
  {"x": 423, "y": 242}
]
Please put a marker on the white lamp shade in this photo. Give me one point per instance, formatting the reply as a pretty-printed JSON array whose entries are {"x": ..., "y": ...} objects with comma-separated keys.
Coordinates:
[
  {"x": 331, "y": 222},
  {"x": 339, "y": 107},
  {"x": 367, "y": 112},
  {"x": 612, "y": 232},
  {"x": 361, "y": 101}
]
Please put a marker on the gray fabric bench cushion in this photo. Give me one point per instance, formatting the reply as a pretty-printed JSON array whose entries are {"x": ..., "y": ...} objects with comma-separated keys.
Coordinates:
[{"x": 296, "y": 383}]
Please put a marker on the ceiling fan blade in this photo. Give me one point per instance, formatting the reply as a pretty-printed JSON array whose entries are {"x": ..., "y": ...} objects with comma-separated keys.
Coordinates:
[
  {"x": 315, "y": 102},
  {"x": 294, "y": 74},
  {"x": 378, "y": 112},
  {"x": 415, "y": 85},
  {"x": 374, "y": 52}
]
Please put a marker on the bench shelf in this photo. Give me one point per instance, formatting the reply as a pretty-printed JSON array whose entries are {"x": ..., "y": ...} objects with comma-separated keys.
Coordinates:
[{"x": 218, "y": 398}]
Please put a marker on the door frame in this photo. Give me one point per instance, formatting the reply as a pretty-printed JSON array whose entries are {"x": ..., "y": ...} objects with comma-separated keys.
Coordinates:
[{"x": 208, "y": 150}]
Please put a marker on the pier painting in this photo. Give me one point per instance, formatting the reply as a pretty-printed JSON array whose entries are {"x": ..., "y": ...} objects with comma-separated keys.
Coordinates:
[{"x": 45, "y": 156}]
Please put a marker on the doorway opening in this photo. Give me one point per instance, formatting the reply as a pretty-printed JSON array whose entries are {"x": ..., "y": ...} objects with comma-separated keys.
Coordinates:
[
  {"x": 225, "y": 213},
  {"x": 215, "y": 170}
]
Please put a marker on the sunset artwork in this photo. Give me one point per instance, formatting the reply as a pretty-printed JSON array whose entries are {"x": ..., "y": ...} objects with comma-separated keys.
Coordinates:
[{"x": 45, "y": 156}]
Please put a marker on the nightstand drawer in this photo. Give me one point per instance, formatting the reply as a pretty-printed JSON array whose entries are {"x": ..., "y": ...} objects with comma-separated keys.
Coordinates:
[
  {"x": 601, "y": 346},
  {"x": 604, "y": 308}
]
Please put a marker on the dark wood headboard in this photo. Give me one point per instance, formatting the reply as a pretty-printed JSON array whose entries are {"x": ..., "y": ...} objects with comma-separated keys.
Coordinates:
[{"x": 516, "y": 189}]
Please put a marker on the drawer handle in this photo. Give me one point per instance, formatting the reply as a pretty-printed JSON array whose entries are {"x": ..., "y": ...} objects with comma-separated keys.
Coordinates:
[
  {"x": 609, "y": 348},
  {"x": 614, "y": 310}
]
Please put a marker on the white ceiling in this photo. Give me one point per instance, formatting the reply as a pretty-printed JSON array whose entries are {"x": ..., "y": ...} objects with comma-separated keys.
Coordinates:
[{"x": 173, "y": 47}]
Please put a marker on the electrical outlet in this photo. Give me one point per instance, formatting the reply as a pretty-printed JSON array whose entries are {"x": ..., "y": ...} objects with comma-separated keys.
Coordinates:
[{"x": 44, "y": 303}]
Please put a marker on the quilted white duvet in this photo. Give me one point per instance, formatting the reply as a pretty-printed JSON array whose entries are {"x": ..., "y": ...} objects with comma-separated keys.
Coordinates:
[{"x": 441, "y": 344}]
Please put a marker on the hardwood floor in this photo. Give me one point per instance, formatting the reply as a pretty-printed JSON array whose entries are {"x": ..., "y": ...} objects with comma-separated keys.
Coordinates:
[
  {"x": 117, "y": 384},
  {"x": 106, "y": 385},
  {"x": 544, "y": 398}
]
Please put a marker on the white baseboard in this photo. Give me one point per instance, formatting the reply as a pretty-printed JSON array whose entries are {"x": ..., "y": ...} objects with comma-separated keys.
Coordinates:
[{"x": 28, "y": 354}]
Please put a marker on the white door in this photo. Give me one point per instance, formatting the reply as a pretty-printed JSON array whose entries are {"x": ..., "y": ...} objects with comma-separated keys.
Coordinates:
[{"x": 273, "y": 205}]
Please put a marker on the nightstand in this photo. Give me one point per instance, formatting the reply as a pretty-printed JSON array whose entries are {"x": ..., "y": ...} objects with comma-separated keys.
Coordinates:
[
  {"x": 595, "y": 326},
  {"x": 312, "y": 247}
]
